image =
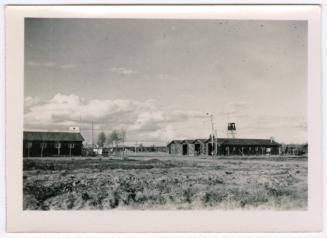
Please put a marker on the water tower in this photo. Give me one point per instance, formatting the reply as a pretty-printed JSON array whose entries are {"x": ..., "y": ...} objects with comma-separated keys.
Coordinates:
[{"x": 231, "y": 130}]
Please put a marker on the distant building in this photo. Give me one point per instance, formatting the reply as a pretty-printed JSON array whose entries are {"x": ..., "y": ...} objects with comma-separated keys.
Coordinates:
[
  {"x": 224, "y": 146},
  {"x": 247, "y": 147},
  {"x": 295, "y": 149},
  {"x": 187, "y": 147},
  {"x": 175, "y": 147},
  {"x": 152, "y": 148},
  {"x": 41, "y": 144},
  {"x": 200, "y": 146},
  {"x": 133, "y": 149}
]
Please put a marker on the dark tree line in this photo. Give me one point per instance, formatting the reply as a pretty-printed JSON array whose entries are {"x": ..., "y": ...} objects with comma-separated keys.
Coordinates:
[{"x": 112, "y": 139}]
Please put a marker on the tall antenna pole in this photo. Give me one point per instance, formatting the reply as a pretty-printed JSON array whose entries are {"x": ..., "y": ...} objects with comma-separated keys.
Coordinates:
[
  {"x": 227, "y": 134},
  {"x": 80, "y": 124},
  {"x": 212, "y": 135},
  {"x": 92, "y": 136}
]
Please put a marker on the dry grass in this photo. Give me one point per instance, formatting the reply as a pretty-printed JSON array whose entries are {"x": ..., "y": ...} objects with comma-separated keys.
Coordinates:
[{"x": 168, "y": 183}]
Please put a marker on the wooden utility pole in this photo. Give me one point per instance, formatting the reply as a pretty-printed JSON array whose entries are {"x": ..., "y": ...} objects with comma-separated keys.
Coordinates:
[
  {"x": 92, "y": 135},
  {"x": 71, "y": 146},
  {"x": 42, "y": 147},
  {"x": 212, "y": 135},
  {"x": 123, "y": 138},
  {"x": 58, "y": 146}
]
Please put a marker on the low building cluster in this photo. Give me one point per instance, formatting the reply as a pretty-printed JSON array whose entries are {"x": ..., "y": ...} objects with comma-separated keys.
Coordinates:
[
  {"x": 295, "y": 149},
  {"x": 43, "y": 144},
  {"x": 62, "y": 144},
  {"x": 224, "y": 146}
]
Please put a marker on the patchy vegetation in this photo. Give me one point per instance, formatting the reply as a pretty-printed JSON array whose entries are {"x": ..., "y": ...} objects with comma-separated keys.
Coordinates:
[{"x": 164, "y": 184}]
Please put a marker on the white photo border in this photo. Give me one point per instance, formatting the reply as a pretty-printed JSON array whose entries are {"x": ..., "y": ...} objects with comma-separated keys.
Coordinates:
[{"x": 158, "y": 221}]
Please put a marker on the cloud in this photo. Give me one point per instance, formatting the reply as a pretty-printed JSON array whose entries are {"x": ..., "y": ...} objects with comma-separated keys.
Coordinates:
[
  {"x": 142, "y": 120},
  {"x": 188, "y": 96},
  {"x": 73, "y": 108},
  {"x": 289, "y": 129},
  {"x": 236, "y": 110},
  {"x": 146, "y": 121},
  {"x": 121, "y": 70},
  {"x": 296, "y": 122},
  {"x": 165, "y": 134},
  {"x": 163, "y": 76},
  {"x": 50, "y": 64},
  {"x": 39, "y": 64},
  {"x": 236, "y": 107},
  {"x": 116, "y": 70},
  {"x": 68, "y": 66},
  {"x": 30, "y": 101}
]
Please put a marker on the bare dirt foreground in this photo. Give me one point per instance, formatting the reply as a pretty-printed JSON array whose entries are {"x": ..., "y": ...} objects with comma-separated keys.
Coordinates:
[{"x": 166, "y": 183}]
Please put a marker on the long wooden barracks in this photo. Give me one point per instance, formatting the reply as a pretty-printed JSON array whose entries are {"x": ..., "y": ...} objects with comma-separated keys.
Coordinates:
[
  {"x": 224, "y": 146},
  {"x": 41, "y": 144}
]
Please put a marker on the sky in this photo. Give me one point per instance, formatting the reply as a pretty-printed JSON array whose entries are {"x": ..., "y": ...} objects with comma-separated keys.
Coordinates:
[{"x": 158, "y": 78}]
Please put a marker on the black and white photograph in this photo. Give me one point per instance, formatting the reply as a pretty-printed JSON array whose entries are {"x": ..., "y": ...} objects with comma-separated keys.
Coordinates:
[
  {"x": 165, "y": 114},
  {"x": 163, "y": 119}
]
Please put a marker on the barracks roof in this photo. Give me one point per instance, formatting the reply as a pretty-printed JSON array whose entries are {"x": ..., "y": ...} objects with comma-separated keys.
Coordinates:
[
  {"x": 236, "y": 141},
  {"x": 175, "y": 141},
  {"x": 231, "y": 141},
  {"x": 52, "y": 136},
  {"x": 187, "y": 142}
]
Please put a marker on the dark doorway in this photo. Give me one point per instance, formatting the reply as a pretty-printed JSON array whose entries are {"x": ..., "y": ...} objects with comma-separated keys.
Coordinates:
[
  {"x": 218, "y": 150},
  {"x": 227, "y": 151},
  {"x": 210, "y": 149},
  {"x": 185, "y": 148},
  {"x": 197, "y": 149}
]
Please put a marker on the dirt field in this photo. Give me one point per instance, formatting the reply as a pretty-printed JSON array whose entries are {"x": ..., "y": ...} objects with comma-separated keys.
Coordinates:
[{"x": 162, "y": 182}]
